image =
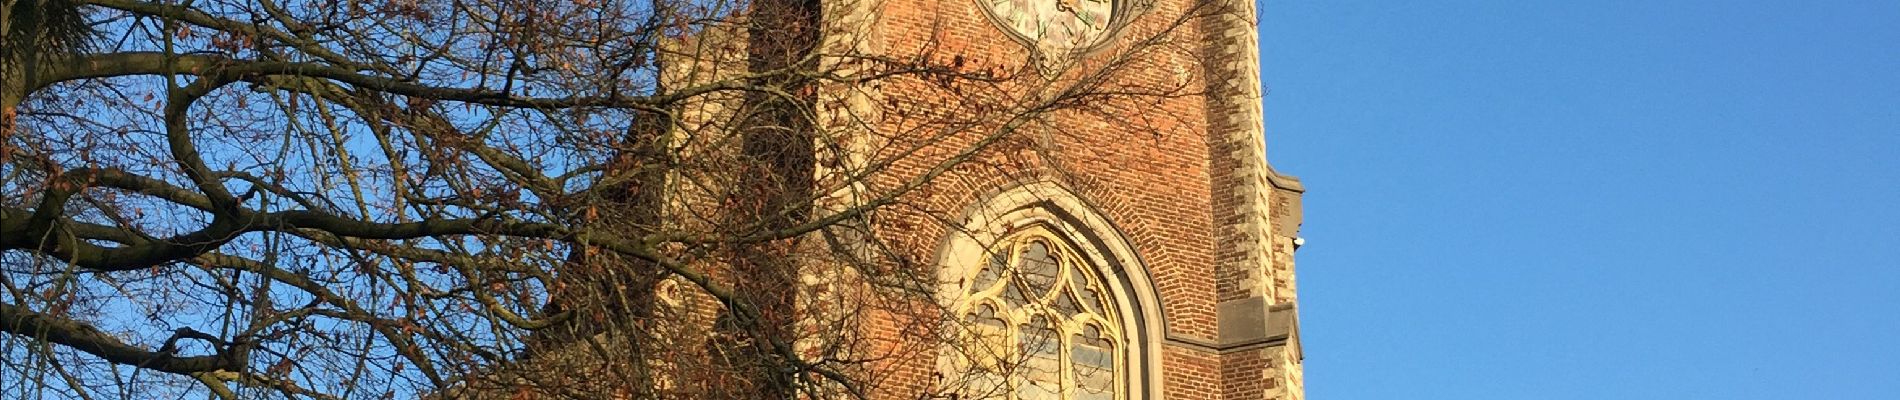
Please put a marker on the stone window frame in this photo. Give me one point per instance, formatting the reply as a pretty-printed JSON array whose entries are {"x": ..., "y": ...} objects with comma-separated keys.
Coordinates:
[
  {"x": 1097, "y": 242},
  {"x": 1017, "y": 289}
]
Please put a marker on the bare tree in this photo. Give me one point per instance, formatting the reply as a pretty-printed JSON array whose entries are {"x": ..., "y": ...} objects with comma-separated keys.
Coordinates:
[{"x": 484, "y": 198}]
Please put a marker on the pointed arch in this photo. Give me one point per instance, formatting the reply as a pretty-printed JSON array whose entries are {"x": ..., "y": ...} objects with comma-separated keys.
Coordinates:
[{"x": 1051, "y": 212}]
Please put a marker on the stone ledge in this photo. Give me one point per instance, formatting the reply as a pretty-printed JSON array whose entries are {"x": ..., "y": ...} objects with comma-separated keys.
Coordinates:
[{"x": 1249, "y": 324}]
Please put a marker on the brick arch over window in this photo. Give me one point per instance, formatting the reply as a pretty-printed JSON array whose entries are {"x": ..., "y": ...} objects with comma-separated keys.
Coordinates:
[{"x": 1045, "y": 211}]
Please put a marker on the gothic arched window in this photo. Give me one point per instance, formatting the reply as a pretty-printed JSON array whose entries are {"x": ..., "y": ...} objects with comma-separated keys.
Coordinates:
[{"x": 1037, "y": 322}]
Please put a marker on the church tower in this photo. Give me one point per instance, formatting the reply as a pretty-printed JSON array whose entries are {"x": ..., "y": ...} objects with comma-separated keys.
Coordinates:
[{"x": 1128, "y": 241}]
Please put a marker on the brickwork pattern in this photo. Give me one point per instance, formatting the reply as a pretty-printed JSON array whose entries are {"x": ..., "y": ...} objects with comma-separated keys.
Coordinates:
[
  {"x": 1257, "y": 208},
  {"x": 1183, "y": 178}
]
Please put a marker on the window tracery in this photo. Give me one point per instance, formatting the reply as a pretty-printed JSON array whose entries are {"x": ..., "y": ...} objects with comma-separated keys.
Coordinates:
[{"x": 1037, "y": 324}]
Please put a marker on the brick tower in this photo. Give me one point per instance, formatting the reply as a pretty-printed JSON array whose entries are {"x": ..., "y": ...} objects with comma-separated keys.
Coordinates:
[{"x": 1139, "y": 247}]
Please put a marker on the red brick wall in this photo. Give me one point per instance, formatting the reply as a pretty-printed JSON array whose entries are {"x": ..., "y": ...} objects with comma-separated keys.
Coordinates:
[
  {"x": 1144, "y": 162},
  {"x": 1164, "y": 167}
]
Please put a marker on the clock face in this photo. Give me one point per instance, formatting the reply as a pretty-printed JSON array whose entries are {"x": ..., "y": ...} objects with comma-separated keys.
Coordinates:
[{"x": 1054, "y": 26}]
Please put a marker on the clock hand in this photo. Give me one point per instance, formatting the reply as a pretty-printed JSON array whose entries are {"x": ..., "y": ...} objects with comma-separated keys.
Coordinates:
[{"x": 1066, "y": 5}]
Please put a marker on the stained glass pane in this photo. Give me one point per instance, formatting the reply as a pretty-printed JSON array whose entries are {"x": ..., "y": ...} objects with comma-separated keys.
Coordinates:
[
  {"x": 987, "y": 276},
  {"x": 1092, "y": 356},
  {"x": 1013, "y": 294},
  {"x": 986, "y": 317},
  {"x": 1042, "y": 363},
  {"x": 988, "y": 338},
  {"x": 1091, "y": 300},
  {"x": 1065, "y": 304},
  {"x": 1050, "y": 332},
  {"x": 1038, "y": 269}
]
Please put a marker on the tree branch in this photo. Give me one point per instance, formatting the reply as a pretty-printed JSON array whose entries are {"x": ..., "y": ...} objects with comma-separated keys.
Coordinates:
[{"x": 80, "y": 336}]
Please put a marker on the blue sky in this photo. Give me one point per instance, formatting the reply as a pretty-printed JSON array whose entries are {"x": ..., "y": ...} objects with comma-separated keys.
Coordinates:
[{"x": 1593, "y": 199}]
